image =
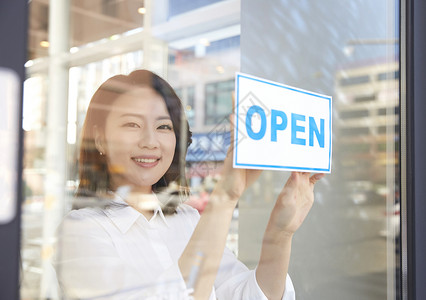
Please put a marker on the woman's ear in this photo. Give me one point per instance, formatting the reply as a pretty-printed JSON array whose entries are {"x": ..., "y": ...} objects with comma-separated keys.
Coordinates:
[{"x": 99, "y": 140}]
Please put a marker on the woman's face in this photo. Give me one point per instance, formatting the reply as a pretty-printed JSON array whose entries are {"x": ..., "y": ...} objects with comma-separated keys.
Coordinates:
[{"x": 139, "y": 140}]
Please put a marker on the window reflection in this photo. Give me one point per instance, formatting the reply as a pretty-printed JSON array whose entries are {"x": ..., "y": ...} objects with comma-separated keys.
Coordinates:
[
  {"x": 218, "y": 101},
  {"x": 90, "y": 21}
]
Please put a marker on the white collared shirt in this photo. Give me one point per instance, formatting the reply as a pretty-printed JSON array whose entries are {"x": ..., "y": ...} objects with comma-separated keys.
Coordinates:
[{"x": 116, "y": 253}]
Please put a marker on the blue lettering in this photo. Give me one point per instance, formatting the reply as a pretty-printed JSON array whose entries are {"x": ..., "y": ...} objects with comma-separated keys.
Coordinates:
[
  {"x": 279, "y": 122},
  {"x": 296, "y": 128},
  {"x": 277, "y": 126},
  {"x": 253, "y": 110},
  {"x": 313, "y": 129}
]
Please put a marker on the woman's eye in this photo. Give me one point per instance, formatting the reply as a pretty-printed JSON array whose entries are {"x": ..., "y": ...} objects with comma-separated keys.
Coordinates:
[
  {"x": 166, "y": 127},
  {"x": 131, "y": 125}
]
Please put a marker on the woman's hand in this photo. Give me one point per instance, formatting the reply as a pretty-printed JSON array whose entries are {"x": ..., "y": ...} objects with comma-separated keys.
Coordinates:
[
  {"x": 294, "y": 202},
  {"x": 233, "y": 182},
  {"x": 290, "y": 210}
]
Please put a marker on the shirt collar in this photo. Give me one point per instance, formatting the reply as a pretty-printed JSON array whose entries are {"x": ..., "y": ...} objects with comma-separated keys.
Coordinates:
[
  {"x": 124, "y": 216},
  {"x": 158, "y": 213}
]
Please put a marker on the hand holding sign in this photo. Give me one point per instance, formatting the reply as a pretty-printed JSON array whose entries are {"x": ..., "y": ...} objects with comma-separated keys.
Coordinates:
[
  {"x": 294, "y": 202},
  {"x": 290, "y": 210},
  {"x": 235, "y": 181}
]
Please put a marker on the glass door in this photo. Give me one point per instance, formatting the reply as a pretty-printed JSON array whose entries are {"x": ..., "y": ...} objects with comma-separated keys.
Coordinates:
[{"x": 349, "y": 246}]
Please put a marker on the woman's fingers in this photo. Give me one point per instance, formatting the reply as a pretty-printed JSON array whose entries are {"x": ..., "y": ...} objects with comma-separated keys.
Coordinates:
[
  {"x": 295, "y": 201},
  {"x": 297, "y": 178},
  {"x": 314, "y": 178}
]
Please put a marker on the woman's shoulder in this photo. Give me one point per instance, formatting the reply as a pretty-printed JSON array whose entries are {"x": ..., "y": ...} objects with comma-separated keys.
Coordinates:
[
  {"x": 86, "y": 219},
  {"x": 85, "y": 213},
  {"x": 187, "y": 209},
  {"x": 188, "y": 212}
]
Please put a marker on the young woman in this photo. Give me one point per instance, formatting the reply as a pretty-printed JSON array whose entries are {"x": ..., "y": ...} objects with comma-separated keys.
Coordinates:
[{"x": 143, "y": 244}]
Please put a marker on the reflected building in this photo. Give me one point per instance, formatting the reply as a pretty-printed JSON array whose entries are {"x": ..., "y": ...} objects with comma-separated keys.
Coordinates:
[{"x": 366, "y": 123}]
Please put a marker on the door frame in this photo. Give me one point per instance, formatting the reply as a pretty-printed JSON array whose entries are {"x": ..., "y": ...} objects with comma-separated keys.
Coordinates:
[{"x": 13, "y": 53}]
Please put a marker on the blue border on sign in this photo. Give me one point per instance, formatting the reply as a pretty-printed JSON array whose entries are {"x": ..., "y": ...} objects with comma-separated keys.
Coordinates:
[{"x": 237, "y": 84}]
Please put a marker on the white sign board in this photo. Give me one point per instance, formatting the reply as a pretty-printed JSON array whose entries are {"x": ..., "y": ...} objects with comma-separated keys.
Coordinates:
[
  {"x": 9, "y": 137},
  {"x": 279, "y": 127}
]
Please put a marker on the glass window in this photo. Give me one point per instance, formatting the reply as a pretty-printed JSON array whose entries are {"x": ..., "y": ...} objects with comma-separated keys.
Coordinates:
[
  {"x": 348, "y": 246},
  {"x": 218, "y": 101},
  {"x": 187, "y": 95}
]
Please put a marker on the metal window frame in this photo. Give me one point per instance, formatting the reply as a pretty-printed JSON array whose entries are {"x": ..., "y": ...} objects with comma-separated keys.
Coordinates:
[
  {"x": 413, "y": 148},
  {"x": 13, "y": 53}
]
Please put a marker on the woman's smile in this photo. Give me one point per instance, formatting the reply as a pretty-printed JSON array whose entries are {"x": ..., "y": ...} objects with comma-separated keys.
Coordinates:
[{"x": 146, "y": 161}]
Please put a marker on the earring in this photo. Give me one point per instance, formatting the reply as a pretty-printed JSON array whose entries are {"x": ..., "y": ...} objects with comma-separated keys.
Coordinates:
[{"x": 101, "y": 153}]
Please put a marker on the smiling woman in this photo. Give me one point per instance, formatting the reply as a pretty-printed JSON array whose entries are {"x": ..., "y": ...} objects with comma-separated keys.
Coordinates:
[{"x": 137, "y": 246}]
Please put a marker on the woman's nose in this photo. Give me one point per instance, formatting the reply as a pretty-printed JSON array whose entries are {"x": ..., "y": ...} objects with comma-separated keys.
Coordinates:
[{"x": 148, "y": 138}]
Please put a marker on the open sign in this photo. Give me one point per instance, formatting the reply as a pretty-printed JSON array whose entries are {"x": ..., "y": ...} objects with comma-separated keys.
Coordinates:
[{"x": 281, "y": 127}]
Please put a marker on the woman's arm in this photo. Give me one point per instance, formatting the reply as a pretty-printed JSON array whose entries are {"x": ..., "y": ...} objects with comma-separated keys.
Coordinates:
[
  {"x": 209, "y": 237},
  {"x": 289, "y": 212},
  {"x": 209, "y": 240}
]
